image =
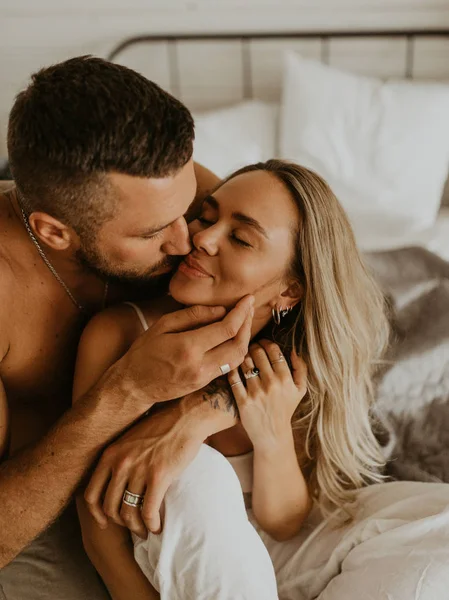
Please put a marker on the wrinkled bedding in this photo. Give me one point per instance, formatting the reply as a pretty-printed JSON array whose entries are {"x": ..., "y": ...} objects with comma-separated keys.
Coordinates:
[{"x": 398, "y": 546}]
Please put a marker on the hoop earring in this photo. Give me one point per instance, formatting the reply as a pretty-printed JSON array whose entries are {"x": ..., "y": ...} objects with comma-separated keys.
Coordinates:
[{"x": 279, "y": 313}]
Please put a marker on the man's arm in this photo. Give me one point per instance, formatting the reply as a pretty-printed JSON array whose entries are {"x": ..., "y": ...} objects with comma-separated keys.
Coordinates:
[
  {"x": 154, "y": 452},
  {"x": 110, "y": 549},
  {"x": 38, "y": 481}
]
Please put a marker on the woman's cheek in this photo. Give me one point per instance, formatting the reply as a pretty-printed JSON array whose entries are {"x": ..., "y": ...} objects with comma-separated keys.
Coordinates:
[{"x": 245, "y": 276}]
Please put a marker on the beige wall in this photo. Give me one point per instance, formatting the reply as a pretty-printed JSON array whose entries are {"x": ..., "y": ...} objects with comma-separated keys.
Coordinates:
[{"x": 34, "y": 33}]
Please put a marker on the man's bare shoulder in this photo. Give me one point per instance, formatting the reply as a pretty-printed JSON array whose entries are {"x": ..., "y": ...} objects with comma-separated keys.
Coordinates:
[
  {"x": 12, "y": 276},
  {"x": 7, "y": 292}
]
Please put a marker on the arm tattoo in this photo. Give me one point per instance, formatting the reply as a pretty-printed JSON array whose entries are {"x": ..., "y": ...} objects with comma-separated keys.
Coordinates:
[{"x": 220, "y": 397}]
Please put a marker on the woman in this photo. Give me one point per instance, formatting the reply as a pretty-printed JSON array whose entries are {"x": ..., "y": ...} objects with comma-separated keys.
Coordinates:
[{"x": 274, "y": 230}]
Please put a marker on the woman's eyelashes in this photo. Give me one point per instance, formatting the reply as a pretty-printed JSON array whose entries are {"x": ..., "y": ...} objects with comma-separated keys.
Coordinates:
[
  {"x": 205, "y": 221},
  {"x": 236, "y": 239}
]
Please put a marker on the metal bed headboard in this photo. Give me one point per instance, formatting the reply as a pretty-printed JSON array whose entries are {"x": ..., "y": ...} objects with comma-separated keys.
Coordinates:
[{"x": 245, "y": 39}]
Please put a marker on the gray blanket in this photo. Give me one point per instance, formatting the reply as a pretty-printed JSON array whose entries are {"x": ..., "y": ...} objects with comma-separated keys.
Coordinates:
[{"x": 413, "y": 387}]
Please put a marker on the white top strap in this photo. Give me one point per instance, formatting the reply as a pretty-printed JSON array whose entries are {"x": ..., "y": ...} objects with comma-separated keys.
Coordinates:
[{"x": 139, "y": 314}]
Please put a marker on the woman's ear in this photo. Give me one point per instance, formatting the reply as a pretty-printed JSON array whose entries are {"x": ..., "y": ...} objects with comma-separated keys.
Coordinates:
[
  {"x": 51, "y": 231},
  {"x": 291, "y": 295}
]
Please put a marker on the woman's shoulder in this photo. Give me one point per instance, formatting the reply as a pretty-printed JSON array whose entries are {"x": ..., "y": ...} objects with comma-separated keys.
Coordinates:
[
  {"x": 151, "y": 310},
  {"x": 124, "y": 320}
]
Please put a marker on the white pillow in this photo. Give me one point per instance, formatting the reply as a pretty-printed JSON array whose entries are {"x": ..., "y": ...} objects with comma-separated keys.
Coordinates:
[
  {"x": 230, "y": 138},
  {"x": 382, "y": 146}
]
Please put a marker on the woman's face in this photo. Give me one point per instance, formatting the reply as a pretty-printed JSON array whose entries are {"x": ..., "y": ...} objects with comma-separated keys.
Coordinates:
[{"x": 242, "y": 244}]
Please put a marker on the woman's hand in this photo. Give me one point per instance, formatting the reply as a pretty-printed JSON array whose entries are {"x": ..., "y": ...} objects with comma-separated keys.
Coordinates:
[{"x": 267, "y": 401}]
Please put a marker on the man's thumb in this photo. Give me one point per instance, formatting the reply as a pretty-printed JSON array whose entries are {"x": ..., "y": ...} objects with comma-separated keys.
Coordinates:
[{"x": 192, "y": 317}]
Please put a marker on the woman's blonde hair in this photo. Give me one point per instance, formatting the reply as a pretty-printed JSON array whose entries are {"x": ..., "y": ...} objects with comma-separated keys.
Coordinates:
[{"x": 341, "y": 330}]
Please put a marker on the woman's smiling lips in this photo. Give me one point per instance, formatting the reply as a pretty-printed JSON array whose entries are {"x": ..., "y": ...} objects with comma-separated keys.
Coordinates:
[{"x": 192, "y": 268}]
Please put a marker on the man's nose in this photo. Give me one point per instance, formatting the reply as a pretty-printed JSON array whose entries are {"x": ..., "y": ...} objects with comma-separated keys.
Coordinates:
[{"x": 179, "y": 241}]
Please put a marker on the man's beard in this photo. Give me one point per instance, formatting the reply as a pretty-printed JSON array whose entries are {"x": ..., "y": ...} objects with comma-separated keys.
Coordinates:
[{"x": 92, "y": 260}]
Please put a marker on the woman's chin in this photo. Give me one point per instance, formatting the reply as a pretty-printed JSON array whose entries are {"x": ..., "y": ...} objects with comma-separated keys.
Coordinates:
[{"x": 185, "y": 292}]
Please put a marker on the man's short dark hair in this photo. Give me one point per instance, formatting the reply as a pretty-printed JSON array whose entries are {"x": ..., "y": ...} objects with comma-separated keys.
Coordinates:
[{"x": 83, "y": 118}]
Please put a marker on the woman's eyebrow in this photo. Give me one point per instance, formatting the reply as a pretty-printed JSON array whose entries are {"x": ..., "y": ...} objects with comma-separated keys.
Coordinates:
[{"x": 238, "y": 216}]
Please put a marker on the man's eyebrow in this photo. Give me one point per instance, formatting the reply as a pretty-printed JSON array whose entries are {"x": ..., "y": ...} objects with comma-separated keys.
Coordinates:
[
  {"x": 154, "y": 230},
  {"x": 238, "y": 216}
]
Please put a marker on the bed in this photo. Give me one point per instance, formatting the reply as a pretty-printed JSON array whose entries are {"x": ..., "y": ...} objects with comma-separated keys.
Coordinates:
[
  {"x": 237, "y": 88},
  {"x": 258, "y": 95},
  {"x": 244, "y": 91}
]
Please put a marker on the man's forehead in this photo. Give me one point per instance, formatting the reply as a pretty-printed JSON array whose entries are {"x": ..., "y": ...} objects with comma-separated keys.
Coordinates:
[
  {"x": 151, "y": 202},
  {"x": 144, "y": 189}
]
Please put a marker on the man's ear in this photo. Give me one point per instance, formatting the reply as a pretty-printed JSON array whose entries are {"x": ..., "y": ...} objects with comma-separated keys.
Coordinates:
[{"x": 51, "y": 231}]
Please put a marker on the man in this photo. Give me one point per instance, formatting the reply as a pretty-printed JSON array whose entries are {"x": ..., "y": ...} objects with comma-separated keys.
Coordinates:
[{"x": 103, "y": 175}]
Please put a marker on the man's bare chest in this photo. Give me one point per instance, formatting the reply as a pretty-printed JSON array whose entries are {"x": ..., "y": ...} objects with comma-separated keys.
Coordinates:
[
  {"x": 40, "y": 360},
  {"x": 37, "y": 371}
]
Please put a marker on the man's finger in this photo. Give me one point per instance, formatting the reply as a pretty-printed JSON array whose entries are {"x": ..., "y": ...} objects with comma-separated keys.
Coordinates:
[
  {"x": 112, "y": 502},
  {"x": 151, "y": 510},
  {"x": 131, "y": 515},
  {"x": 230, "y": 327},
  {"x": 191, "y": 318},
  {"x": 231, "y": 353},
  {"x": 94, "y": 493}
]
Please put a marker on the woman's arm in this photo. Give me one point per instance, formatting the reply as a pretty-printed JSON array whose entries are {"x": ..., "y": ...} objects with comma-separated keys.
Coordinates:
[
  {"x": 111, "y": 552},
  {"x": 105, "y": 340},
  {"x": 266, "y": 403},
  {"x": 281, "y": 500}
]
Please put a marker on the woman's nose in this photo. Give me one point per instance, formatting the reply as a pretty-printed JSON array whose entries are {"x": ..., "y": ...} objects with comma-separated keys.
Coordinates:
[
  {"x": 206, "y": 240},
  {"x": 179, "y": 240}
]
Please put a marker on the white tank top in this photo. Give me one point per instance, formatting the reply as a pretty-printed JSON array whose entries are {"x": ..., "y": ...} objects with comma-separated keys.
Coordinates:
[{"x": 242, "y": 464}]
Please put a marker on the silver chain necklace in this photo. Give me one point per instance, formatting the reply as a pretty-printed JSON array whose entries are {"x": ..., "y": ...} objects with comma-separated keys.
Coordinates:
[{"x": 53, "y": 270}]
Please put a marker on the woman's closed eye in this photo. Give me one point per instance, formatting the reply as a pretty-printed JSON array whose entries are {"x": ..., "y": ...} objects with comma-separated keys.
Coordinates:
[
  {"x": 205, "y": 221},
  {"x": 236, "y": 239}
]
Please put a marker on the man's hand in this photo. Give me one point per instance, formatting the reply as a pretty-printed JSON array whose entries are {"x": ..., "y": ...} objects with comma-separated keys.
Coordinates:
[
  {"x": 151, "y": 455},
  {"x": 183, "y": 352}
]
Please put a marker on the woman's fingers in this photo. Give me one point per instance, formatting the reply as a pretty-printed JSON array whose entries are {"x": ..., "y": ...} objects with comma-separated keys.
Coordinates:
[
  {"x": 237, "y": 386},
  {"x": 261, "y": 360},
  {"x": 251, "y": 374},
  {"x": 299, "y": 373},
  {"x": 276, "y": 358}
]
